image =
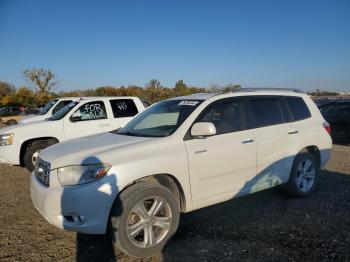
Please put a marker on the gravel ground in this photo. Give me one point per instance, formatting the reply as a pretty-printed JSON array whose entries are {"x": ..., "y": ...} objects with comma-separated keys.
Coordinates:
[{"x": 266, "y": 226}]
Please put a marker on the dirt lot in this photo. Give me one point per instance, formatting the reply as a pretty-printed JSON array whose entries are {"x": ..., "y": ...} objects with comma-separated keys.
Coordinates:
[{"x": 267, "y": 226}]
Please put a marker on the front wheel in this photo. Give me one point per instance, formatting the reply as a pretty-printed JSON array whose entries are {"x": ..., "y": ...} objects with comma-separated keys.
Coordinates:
[
  {"x": 143, "y": 218},
  {"x": 304, "y": 176},
  {"x": 33, "y": 150}
]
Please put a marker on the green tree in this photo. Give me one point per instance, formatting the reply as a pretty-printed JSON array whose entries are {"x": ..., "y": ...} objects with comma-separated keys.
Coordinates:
[
  {"x": 154, "y": 84},
  {"x": 224, "y": 89},
  {"x": 181, "y": 88},
  {"x": 43, "y": 80},
  {"x": 25, "y": 97},
  {"x": 6, "y": 100}
]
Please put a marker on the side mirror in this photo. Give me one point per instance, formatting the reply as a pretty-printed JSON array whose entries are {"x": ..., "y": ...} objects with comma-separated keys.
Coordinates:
[
  {"x": 76, "y": 116},
  {"x": 203, "y": 129}
]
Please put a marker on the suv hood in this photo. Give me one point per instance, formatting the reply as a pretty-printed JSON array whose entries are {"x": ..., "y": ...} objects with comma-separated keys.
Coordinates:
[
  {"x": 31, "y": 118},
  {"x": 77, "y": 151},
  {"x": 27, "y": 127}
]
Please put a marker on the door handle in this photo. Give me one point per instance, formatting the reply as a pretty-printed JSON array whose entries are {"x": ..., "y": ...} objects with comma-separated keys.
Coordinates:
[
  {"x": 103, "y": 125},
  {"x": 247, "y": 141},
  {"x": 293, "y": 132}
]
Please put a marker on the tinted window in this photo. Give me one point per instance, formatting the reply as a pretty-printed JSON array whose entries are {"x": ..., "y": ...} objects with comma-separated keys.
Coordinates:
[
  {"x": 60, "y": 105},
  {"x": 123, "y": 108},
  {"x": 336, "y": 111},
  {"x": 298, "y": 108},
  {"x": 266, "y": 111},
  {"x": 5, "y": 111},
  {"x": 90, "y": 111},
  {"x": 285, "y": 111},
  {"x": 226, "y": 116},
  {"x": 145, "y": 103}
]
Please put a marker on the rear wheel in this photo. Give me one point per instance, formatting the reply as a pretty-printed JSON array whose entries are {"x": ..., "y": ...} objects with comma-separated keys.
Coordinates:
[
  {"x": 143, "y": 219},
  {"x": 33, "y": 150},
  {"x": 304, "y": 175}
]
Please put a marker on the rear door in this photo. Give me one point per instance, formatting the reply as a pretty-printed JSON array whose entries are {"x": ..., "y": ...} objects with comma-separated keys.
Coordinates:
[
  {"x": 123, "y": 111},
  {"x": 90, "y": 118},
  {"x": 266, "y": 116}
]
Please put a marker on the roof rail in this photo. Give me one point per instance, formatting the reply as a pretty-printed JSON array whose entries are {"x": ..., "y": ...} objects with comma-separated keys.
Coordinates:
[{"x": 249, "y": 89}]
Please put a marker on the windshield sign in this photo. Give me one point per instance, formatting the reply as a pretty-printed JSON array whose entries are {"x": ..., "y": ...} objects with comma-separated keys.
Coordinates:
[{"x": 160, "y": 120}]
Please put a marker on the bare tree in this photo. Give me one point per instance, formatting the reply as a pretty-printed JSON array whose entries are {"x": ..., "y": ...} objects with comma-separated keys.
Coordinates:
[
  {"x": 6, "y": 89},
  {"x": 43, "y": 80},
  {"x": 223, "y": 89}
]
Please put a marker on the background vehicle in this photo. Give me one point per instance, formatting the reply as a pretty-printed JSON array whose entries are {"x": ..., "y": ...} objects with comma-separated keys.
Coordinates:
[
  {"x": 21, "y": 144},
  {"x": 49, "y": 109},
  {"x": 10, "y": 115},
  {"x": 337, "y": 113},
  {"x": 179, "y": 155}
]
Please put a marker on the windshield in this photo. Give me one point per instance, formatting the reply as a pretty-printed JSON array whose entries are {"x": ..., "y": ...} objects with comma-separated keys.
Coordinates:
[
  {"x": 47, "y": 107},
  {"x": 63, "y": 112},
  {"x": 160, "y": 120}
]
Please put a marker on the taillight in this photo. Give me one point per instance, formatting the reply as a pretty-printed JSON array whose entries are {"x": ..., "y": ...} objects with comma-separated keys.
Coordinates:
[{"x": 327, "y": 126}]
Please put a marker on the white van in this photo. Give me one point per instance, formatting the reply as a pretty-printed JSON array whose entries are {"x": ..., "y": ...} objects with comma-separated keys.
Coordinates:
[
  {"x": 48, "y": 110},
  {"x": 179, "y": 155},
  {"x": 20, "y": 144}
]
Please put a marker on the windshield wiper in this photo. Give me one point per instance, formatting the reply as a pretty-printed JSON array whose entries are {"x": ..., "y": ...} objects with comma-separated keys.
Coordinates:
[{"x": 128, "y": 133}]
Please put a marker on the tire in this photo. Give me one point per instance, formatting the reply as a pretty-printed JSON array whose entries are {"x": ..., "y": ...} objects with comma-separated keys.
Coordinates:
[
  {"x": 298, "y": 183},
  {"x": 122, "y": 215},
  {"x": 11, "y": 122},
  {"x": 34, "y": 147}
]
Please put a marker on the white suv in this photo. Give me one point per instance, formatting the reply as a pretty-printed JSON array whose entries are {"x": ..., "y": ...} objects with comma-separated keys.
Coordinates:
[
  {"x": 179, "y": 155},
  {"x": 21, "y": 144},
  {"x": 49, "y": 109}
]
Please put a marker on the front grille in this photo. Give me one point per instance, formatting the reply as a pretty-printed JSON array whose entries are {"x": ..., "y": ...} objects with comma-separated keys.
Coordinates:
[{"x": 42, "y": 171}]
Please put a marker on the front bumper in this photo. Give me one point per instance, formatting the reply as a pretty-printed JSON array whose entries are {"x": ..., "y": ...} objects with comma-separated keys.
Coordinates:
[
  {"x": 10, "y": 154},
  {"x": 91, "y": 202}
]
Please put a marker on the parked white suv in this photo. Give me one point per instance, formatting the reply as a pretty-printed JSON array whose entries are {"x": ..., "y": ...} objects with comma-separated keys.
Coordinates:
[
  {"x": 49, "y": 109},
  {"x": 20, "y": 144},
  {"x": 179, "y": 155}
]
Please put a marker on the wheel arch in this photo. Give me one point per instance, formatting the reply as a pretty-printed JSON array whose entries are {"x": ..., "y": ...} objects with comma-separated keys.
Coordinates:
[
  {"x": 166, "y": 180},
  {"x": 28, "y": 141},
  {"x": 314, "y": 150}
]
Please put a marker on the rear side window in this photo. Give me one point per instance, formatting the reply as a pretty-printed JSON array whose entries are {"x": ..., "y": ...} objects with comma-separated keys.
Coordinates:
[
  {"x": 266, "y": 111},
  {"x": 123, "y": 108},
  {"x": 298, "y": 108}
]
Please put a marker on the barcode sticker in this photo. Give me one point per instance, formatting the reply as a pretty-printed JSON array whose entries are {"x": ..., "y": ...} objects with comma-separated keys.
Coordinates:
[{"x": 188, "y": 103}]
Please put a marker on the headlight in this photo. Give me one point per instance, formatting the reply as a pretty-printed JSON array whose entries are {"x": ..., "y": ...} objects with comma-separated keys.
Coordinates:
[
  {"x": 76, "y": 175},
  {"x": 6, "y": 139}
]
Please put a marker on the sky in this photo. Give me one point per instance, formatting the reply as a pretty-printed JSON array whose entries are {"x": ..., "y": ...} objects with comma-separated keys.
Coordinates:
[{"x": 272, "y": 43}]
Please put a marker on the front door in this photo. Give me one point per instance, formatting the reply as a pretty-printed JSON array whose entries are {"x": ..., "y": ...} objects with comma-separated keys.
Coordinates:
[
  {"x": 224, "y": 165},
  {"x": 90, "y": 118}
]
